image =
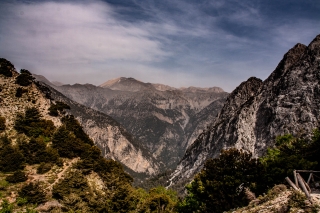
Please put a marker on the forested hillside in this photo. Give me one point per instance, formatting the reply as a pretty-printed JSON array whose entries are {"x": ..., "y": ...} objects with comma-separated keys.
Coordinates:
[{"x": 49, "y": 164}]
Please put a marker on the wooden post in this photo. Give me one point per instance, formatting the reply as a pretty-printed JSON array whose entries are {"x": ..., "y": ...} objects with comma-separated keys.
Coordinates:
[
  {"x": 295, "y": 178},
  {"x": 303, "y": 186},
  {"x": 310, "y": 176},
  {"x": 292, "y": 184},
  {"x": 307, "y": 186}
]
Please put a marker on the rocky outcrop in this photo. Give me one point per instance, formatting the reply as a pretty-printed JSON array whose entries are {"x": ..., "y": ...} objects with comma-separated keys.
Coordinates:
[
  {"x": 163, "y": 118},
  {"x": 288, "y": 101}
]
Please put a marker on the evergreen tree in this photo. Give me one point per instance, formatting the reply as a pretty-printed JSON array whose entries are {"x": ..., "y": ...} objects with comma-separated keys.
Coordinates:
[{"x": 221, "y": 183}]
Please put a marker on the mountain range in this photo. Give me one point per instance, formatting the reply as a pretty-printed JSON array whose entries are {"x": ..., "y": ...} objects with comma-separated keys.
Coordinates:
[
  {"x": 164, "y": 119},
  {"x": 149, "y": 128}
]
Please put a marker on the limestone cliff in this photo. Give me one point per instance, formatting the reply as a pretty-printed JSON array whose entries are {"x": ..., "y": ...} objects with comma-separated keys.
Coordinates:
[{"x": 288, "y": 101}]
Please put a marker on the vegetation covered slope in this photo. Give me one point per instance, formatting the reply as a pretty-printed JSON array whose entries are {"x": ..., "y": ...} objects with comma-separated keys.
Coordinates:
[
  {"x": 234, "y": 179},
  {"x": 49, "y": 164}
]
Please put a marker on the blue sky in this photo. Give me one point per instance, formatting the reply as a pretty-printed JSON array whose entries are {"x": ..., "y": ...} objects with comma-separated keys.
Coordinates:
[{"x": 178, "y": 43}]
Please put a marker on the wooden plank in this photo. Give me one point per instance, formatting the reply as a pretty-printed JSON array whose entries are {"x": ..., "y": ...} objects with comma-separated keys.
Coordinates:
[
  {"x": 311, "y": 171},
  {"x": 310, "y": 176},
  {"x": 292, "y": 184},
  {"x": 307, "y": 186},
  {"x": 295, "y": 178},
  {"x": 303, "y": 186}
]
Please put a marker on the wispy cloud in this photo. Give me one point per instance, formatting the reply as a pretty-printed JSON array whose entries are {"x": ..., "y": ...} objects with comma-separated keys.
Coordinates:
[
  {"x": 75, "y": 33},
  {"x": 181, "y": 43}
]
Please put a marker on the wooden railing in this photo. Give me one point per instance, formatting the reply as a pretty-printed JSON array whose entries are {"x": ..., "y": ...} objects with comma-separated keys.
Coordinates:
[{"x": 301, "y": 184}]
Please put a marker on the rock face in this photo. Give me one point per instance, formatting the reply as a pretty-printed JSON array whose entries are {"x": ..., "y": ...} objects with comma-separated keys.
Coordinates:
[
  {"x": 165, "y": 119},
  {"x": 115, "y": 142},
  {"x": 288, "y": 101}
]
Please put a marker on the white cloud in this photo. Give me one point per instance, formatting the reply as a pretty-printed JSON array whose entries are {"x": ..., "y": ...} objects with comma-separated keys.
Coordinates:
[
  {"x": 76, "y": 33},
  {"x": 179, "y": 43}
]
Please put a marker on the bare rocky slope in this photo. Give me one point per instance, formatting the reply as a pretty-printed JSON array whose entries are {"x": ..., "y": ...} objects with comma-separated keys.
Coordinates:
[
  {"x": 165, "y": 119},
  {"x": 114, "y": 141},
  {"x": 257, "y": 111}
]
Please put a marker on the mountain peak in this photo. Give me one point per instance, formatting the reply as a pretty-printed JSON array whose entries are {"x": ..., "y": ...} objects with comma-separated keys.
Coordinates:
[
  {"x": 314, "y": 46},
  {"x": 125, "y": 84}
]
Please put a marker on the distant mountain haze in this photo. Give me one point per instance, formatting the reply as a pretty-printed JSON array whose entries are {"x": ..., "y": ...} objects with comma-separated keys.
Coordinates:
[{"x": 165, "y": 119}]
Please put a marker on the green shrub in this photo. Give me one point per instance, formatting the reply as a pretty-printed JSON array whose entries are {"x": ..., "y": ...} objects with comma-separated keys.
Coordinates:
[
  {"x": 74, "y": 126},
  {"x": 17, "y": 177},
  {"x": 33, "y": 125},
  {"x": 220, "y": 185},
  {"x": 6, "y": 67},
  {"x": 31, "y": 210},
  {"x": 21, "y": 201},
  {"x": 36, "y": 151},
  {"x": 57, "y": 108},
  {"x": 6, "y": 207},
  {"x": 74, "y": 182},
  {"x": 25, "y": 78},
  {"x": 33, "y": 193},
  {"x": 24, "y": 71},
  {"x": 2, "y": 123},
  {"x": 296, "y": 199},
  {"x": 44, "y": 167},
  {"x": 272, "y": 193},
  {"x": 3, "y": 184},
  {"x": 160, "y": 199},
  {"x": 289, "y": 154},
  {"x": 20, "y": 91},
  {"x": 68, "y": 145},
  {"x": 11, "y": 159}
]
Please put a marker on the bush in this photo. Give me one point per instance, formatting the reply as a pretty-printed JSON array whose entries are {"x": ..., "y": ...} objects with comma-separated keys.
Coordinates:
[
  {"x": 289, "y": 154},
  {"x": 221, "y": 183},
  {"x": 25, "y": 78},
  {"x": 6, "y": 67},
  {"x": 75, "y": 183},
  {"x": 32, "y": 124},
  {"x": 68, "y": 145},
  {"x": 44, "y": 167},
  {"x": 57, "y": 108},
  {"x": 160, "y": 200},
  {"x": 3, "y": 184},
  {"x": 6, "y": 207},
  {"x": 17, "y": 177},
  {"x": 11, "y": 159},
  {"x": 26, "y": 72},
  {"x": 33, "y": 193},
  {"x": 36, "y": 151},
  {"x": 21, "y": 201},
  {"x": 73, "y": 125},
  {"x": 2, "y": 123},
  {"x": 20, "y": 91}
]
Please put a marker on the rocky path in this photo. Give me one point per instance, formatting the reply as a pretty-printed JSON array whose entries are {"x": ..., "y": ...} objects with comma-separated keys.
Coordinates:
[{"x": 66, "y": 166}]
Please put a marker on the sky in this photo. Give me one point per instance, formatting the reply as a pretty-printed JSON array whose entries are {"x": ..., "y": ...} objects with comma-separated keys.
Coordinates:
[{"x": 180, "y": 43}]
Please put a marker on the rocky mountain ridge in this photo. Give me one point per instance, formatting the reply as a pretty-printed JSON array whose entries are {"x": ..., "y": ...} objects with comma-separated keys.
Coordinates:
[
  {"x": 114, "y": 141},
  {"x": 165, "y": 119},
  {"x": 257, "y": 111}
]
